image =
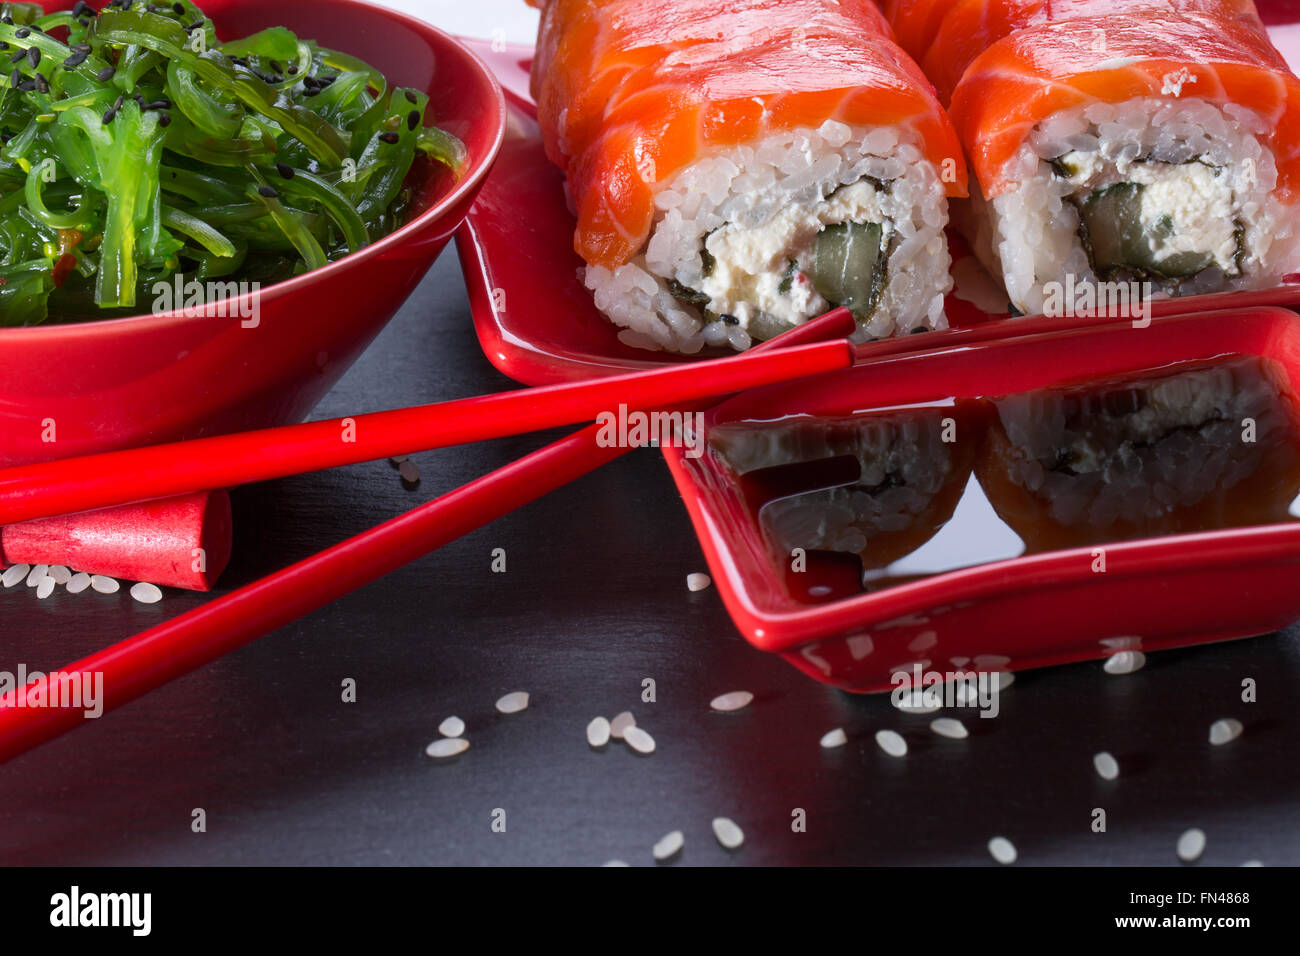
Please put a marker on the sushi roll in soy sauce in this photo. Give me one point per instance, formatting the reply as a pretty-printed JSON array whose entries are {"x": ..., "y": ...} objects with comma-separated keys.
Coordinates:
[
  {"x": 876, "y": 486},
  {"x": 1212, "y": 446}
]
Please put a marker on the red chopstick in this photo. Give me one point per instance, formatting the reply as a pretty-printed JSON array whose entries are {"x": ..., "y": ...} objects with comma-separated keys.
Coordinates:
[
  {"x": 148, "y": 660},
  {"x": 70, "y": 485}
]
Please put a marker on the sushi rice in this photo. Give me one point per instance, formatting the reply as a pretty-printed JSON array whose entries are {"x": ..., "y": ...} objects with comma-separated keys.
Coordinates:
[
  {"x": 734, "y": 251},
  {"x": 1175, "y": 193}
]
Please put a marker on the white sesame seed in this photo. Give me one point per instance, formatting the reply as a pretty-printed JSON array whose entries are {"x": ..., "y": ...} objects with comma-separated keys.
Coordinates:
[
  {"x": 45, "y": 588},
  {"x": 513, "y": 703},
  {"x": 734, "y": 700},
  {"x": 1002, "y": 850},
  {"x": 146, "y": 593},
  {"x": 1225, "y": 731},
  {"x": 891, "y": 743},
  {"x": 619, "y": 725},
  {"x": 452, "y": 727},
  {"x": 1125, "y": 662},
  {"x": 926, "y": 701},
  {"x": 37, "y": 574},
  {"x": 60, "y": 574},
  {"x": 949, "y": 727},
  {"x": 728, "y": 834},
  {"x": 78, "y": 582},
  {"x": 598, "y": 732},
  {"x": 639, "y": 740},
  {"x": 835, "y": 738},
  {"x": 1106, "y": 765},
  {"x": 104, "y": 585},
  {"x": 1191, "y": 845},
  {"x": 697, "y": 581},
  {"x": 15, "y": 574},
  {"x": 669, "y": 846},
  {"x": 447, "y": 747}
]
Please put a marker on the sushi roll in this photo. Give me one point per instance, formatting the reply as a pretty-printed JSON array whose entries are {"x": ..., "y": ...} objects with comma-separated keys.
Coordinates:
[
  {"x": 739, "y": 168},
  {"x": 1209, "y": 447},
  {"x": 902, "y": 483},
  {"x": 1154, "y": 143}
]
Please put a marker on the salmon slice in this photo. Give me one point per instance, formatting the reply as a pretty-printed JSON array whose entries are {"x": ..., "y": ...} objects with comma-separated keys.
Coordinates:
[
  {"x": 629, "y": 92},
  {"x": 970, "y": 27},
  {"x": 1036, "y": 72}
]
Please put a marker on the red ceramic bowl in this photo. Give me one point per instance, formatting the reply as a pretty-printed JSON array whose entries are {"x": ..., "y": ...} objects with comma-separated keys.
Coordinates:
[
  {"x": 1030, "y": 611},
  {"x": 156, "y": 378}
]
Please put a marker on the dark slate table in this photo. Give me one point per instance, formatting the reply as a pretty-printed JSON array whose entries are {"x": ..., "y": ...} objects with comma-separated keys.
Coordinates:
[{"x": 594, "y": 601}]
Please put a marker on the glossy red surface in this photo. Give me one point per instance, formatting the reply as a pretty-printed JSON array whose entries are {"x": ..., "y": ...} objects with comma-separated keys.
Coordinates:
[
  {"x": 535, "y": 320},
  {"x": 156, "y": 378},
  {"x": 1031, "y": 611}
]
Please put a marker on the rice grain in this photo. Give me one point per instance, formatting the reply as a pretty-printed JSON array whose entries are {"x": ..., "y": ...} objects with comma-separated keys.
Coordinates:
[
  {"x": 1125, "y": 662},
  {"x": 1191, "y": 845},
  {"x": 698, "y": 581},
  {"x": 13, "y": 575},
  {"x": 949, "y": 727},
  {"x": 619, "y": 725},
  {"x": 45, "y": 588},
  {"x": 513, "y": 703},
  {"x": 669, "y": 846},
  {"x": 598, "y": 732},
  {"x": 104, "y": 585},
  {"x": 1002, "y": 850},
  {"x": 78, "y": 582},
  {"x": 892, "y": 743},
  {"x": 835, "y": 738},
  {"x": 639, "y": 740},
  {"x": 452, "y": 727},
  {"x": 735, "y": 700},
  {"x": 1225, "y": 731},
  {"x": 1107, "y": 766},
  {"x": 146, "y": 593},
  {"x": 447, "y": 747},
  {"x": 728, "y": 834}
]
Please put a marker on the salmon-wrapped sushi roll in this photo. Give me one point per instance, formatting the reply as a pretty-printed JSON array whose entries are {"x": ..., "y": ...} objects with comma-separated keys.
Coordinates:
[
  {"x": 739, "y": 168},
  {"x": 1152, "y": 141}
]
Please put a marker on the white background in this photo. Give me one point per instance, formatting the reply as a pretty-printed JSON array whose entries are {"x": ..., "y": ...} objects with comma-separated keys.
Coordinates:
[{"x": 474, "y": 18}]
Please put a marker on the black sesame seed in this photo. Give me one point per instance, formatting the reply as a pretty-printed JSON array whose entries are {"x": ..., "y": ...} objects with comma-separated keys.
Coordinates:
[
  {"x": 80, "y": 8},
  {"x": 75, "y": 60},
  {"x": 81, "y": 47},
  {"x": 163, "y": 104},
  {"x": 150, "y": 8},
  {"x": 412, "y": 119},
  {"x": 15, "y": 78},
  {"x": 268, "y": 192},
  {"x": 275, "y": 65},
  {"x": 26, "y": 86},
  {"x": 3, "y": 45},
  {"x": 108, "y": 115},
  {"x": 285, "y": 170},
  {"x": 5, "y": 138},
  {"x": 730, "y": 319},
  {"x": 18, "y": 56},
  {"x": 22, "y": 33},
  {"x": 42, "y": 84},
  {"x": 164, "y": 119},
  {"x": 7, "y": 20},
  {"x": 34, "y": 56},
  {"x": 196, "y": 25},
  {"x": 312, "y": 91},
  {"x": 293, "y": 70},
  {"x": 105, "y": 74},
  {"x": 83, "y": 21},
  {"x": 117, "y": 105},
  {"x": 389, "y": 137},
  {"x": 410, "y": 97},
  {"x": 179, "y": 8}
]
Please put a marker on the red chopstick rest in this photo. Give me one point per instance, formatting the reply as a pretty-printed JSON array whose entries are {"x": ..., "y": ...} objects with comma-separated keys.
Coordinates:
[{"x": 181, "y": 542}]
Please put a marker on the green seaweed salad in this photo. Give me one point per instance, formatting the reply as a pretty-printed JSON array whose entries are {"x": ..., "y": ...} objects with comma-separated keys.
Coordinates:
[{"x": 137, "y": 147}]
